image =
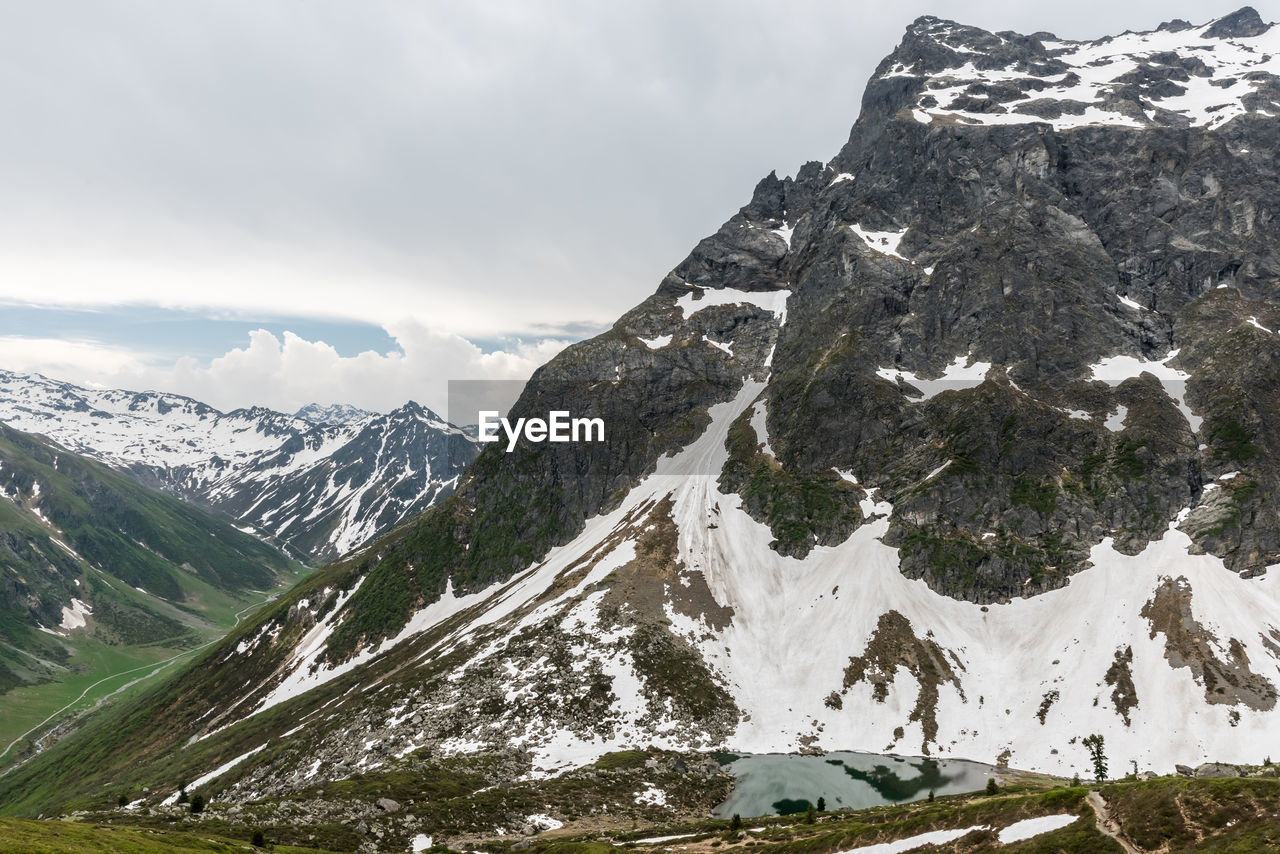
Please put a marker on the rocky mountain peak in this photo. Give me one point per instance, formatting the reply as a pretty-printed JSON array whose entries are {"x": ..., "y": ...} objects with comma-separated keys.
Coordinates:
[
  {"x": 1240, "y": 24},
  {"x": 1173, "y": 76},
  {"x": 340, "y": 414}
]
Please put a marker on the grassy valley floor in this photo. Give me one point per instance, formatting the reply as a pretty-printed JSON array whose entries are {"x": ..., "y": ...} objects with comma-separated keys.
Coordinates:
[{"x": 97, "y": 672}]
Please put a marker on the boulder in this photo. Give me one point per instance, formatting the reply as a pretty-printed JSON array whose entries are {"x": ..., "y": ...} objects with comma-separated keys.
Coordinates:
[{"x": 1217, "y": 769}]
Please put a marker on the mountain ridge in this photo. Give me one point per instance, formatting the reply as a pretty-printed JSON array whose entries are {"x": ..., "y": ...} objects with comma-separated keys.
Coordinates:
[
  {"x": 333, "y": 413},
  {"x": 305, "y": 485}
]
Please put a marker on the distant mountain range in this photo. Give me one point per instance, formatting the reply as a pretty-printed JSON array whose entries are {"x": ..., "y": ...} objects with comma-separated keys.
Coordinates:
[
  {"x": 319, "y": 482},
  {"x": 337, "y": 414}
]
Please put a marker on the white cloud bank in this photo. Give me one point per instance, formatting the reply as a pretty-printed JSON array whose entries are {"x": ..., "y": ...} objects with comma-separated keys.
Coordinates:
[{"x": 287, "y": 374}]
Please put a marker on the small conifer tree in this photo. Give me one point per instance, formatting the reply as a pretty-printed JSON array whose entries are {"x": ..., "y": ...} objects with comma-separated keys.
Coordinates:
[
  {"x": 992, "y": 788},
  {"x": 822, "y": 804},
  {"x": 1097, "y": 752},
  {"x": 197, "y": 804},
  {"x": 735, "y": 823}
]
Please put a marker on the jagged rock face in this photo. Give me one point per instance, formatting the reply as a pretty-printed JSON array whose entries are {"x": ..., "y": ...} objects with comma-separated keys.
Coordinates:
[
  {"x": 1099, "y": 273},
  {"x": 321, "y": 482},
  {"x": 932, "y": 449}
]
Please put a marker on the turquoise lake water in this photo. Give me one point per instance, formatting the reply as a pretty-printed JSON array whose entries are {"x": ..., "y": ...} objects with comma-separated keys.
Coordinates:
[{"x": 778, "y": 784}]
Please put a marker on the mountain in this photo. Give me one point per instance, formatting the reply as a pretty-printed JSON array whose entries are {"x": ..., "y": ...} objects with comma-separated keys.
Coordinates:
[
  {"x": 99, "y": 573},
  {"x": 339, "y": 414},
  {"x": 962, "y": 443},
  {"x": 319, "y": 489}
]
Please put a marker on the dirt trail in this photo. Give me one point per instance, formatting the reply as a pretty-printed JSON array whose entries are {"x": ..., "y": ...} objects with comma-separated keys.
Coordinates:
[{"x": 1108, "y": 825}]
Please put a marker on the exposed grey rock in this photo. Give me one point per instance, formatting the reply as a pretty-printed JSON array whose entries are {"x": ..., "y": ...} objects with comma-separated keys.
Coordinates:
[
  {"x": 1217, "y": 769},
  {"x": 1242, "y": 23}
]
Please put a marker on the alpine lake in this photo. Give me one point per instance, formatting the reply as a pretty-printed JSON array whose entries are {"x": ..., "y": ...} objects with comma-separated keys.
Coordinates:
[{"x": 783, "y": 784}]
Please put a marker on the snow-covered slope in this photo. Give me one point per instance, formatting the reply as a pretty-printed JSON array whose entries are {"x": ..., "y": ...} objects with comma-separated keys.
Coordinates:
[
  {"x": 1176, "y": 76},
  {"x": 159, "y": 431},
  {"x": 340, "y": 414},
  {"x": 322, "y": 488}
]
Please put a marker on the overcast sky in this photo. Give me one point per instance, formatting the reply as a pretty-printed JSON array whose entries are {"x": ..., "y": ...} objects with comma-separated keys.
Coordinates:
[{"x": 273, "y": 202}]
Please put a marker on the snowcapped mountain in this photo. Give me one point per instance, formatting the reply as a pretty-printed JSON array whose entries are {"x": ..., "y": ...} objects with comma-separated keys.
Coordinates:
[
  {"x": 960, "y": 444},
  {"x": 1178, "y": 76},
  {"x": 339, "y": 414},
  {"x": 320, "y": 488}
]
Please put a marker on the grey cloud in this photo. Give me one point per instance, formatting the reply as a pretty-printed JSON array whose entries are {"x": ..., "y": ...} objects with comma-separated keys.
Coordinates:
[{"x": 568, "y": 150}]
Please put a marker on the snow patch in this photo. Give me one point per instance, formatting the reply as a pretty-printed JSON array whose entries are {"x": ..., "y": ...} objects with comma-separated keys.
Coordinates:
[
  {"x": 1115, "y": 420},
  {"x": 213, "y": 775},
  {"x": 957, "y": 375},
  {"x": 657, "y": 343},
  {"x": 774, "y": 301},
  {"x": 1030, "y": 827},
  {"x": 74, "y": 616},
  {"x": 885, "y": 242},
  {"x": 651, "y": 795},
  {"x": 542, "y": 821},
  {"x": 933, "y": 837},
  {"x": 758, "y": 416},
  {"x": 1114, "y": 370},
  {"x": 939, "y": 470}
]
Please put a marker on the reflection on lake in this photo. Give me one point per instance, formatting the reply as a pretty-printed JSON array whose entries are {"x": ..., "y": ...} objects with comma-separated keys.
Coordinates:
[{"x": 786, "y": 783}]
